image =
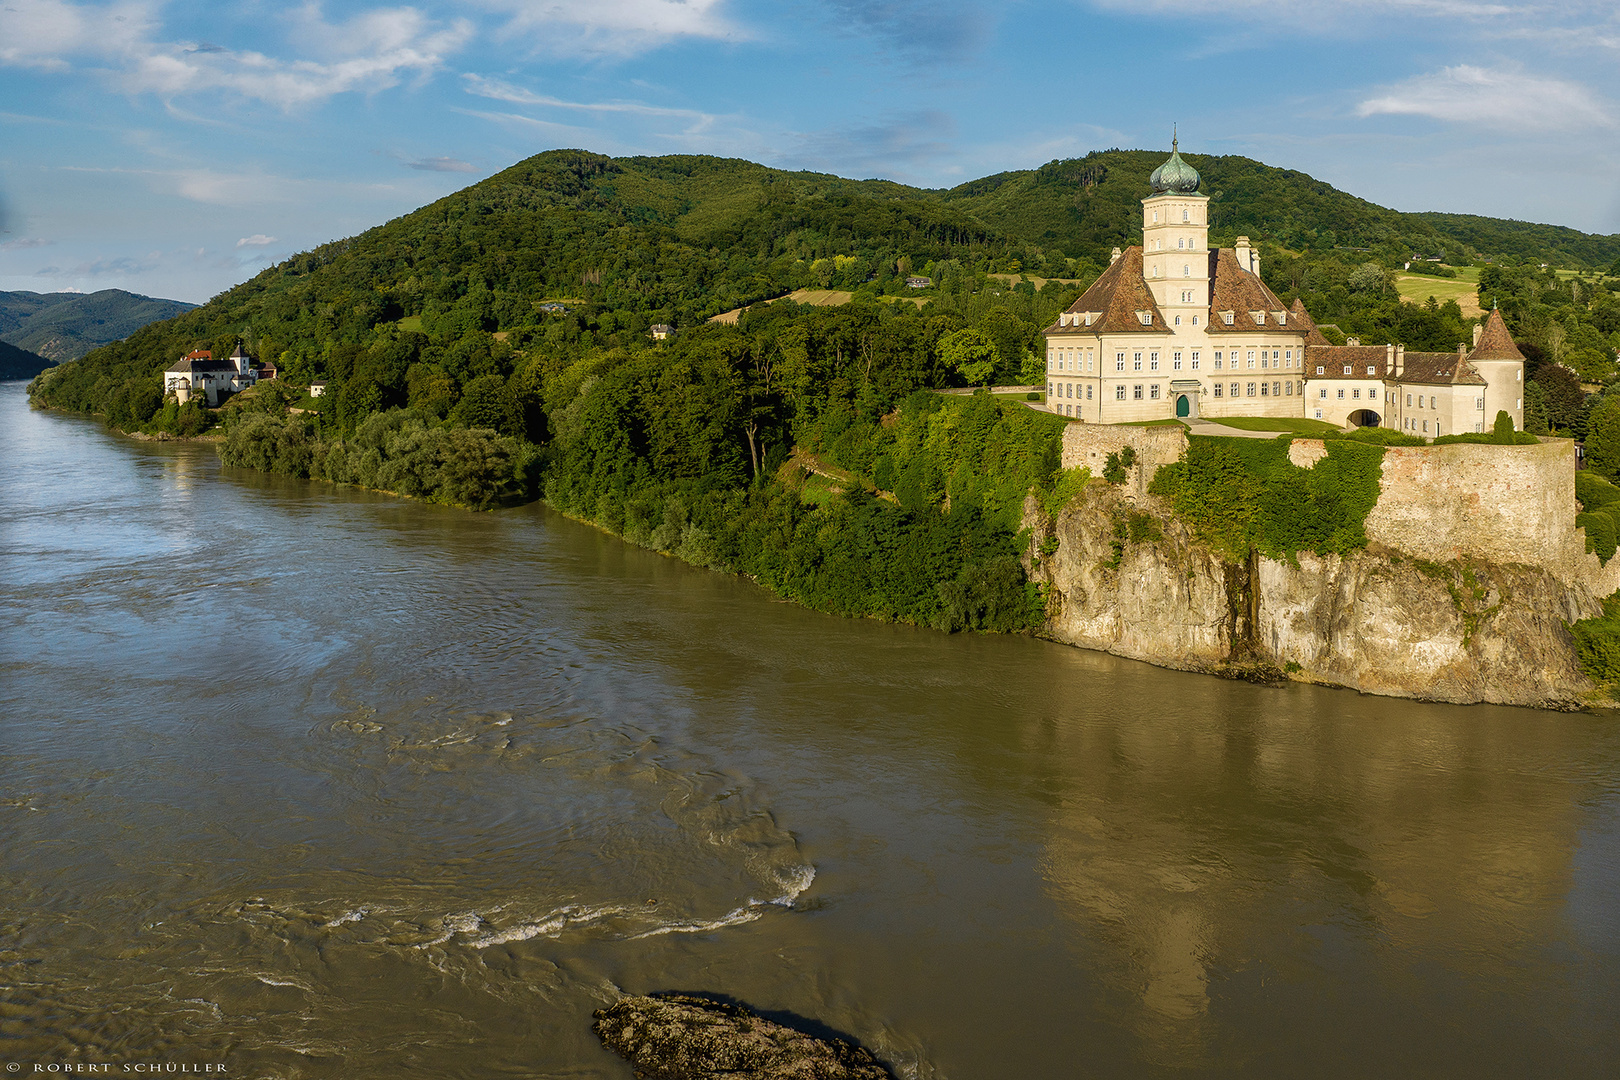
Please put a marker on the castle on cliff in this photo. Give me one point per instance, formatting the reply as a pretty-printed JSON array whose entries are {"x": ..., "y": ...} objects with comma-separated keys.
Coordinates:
[{"x": 1175, "y": 328}]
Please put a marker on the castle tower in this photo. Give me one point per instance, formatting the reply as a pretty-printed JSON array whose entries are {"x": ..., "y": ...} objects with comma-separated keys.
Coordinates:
[
  {"x": 1501, "y": 364},
  {"x": 1175, "y": 243}
]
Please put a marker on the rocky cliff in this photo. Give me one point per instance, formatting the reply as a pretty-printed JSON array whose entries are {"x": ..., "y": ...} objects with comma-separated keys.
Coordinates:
[{"x": 1123, "y": 575}]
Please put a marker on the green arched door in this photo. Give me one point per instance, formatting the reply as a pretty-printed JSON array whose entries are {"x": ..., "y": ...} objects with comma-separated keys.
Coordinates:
[{"x": 1183, "y": 406}]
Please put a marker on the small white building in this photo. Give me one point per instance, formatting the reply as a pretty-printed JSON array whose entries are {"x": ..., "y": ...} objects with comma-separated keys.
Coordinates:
[
  {"x": 198, "y": 373},
  {"x": 661, "y": 331}
]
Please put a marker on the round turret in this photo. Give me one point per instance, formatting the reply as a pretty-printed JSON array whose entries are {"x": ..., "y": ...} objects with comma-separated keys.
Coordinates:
[{"x": 1174, "y": 176}]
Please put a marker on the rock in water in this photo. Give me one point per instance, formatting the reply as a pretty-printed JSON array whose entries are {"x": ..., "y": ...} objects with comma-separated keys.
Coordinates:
[{"x": 679, "y": 1037}]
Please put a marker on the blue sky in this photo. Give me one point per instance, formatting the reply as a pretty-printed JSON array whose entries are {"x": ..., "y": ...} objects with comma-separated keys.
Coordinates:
[{"x": 178, "y": 148}]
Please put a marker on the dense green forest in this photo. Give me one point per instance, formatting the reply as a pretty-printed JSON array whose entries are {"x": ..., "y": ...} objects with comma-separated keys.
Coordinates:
[
  {"x": 493, "y": 346},
  {"x": 18, "y": 363}
]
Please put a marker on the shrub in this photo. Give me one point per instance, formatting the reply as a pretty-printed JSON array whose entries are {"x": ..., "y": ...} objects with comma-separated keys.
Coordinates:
[{"x": 1597, "y": 642}]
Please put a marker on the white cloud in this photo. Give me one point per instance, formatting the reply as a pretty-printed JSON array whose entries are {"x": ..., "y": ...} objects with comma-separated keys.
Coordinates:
[
  {"x": 1504, "y": 99},
  {"x": 25, "y": 242},
  {"x": 44, "y": 33},
  {"x": 619, "y": 27},
  {"x": 497, "y": 90},
  {"x": 372, "y": 51},
  {"x": 441, "y": 164},
  {"x": 256, "y": 240}
]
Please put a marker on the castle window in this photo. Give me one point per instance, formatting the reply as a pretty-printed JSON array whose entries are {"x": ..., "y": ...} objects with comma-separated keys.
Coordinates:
[
  {"x": 1341, "y": 393},
  {"x": 1251, "y": 389},
  {"x": 1195, "y": 320},
  {"x": 1288, "y": 387},
  {"x": 1176, "y": 361},
  {"x": 1178, "y": 320},
  {"x": 1049, "y": 392},
  {"x": 1233, "y": 389},
  {"x": 1119, "y": 361},
  {"x": 1276, "y": 389},
  {"x": 1356, "y": 393},
  {"x": 1217, "y": 389},
  {"x": 1264, "y": 390},
  {"x": 1136, "y": 391},
  {"x": 1319, "y": 414},
  {"x": 1119, "y": 392},
  {"x": 1432, "y": 404},
  {"x": 1264, "y": 363},
  {"x": 1478, "y": 427},
  {"x": 1408, "y": 401},
  {"x": 1425, "y": 427},
  {"x": 1251, "y": 358},
  {"x": 1289, "y": 354},
  {"x": 1153, "y": 361},
  {"x": 1322, "y": 392},
  {"x": 1184, "y": 216},
  {"x": 1195, "y": 359},
  {"x": 1155, "y": 215},
  {"x": 1153, "y": 391},
  {"x": 1479, "y": 403},
  {"x": 1136, "y": 361},
  {"x": 1088, "y": 391},
  {"x": 1186, "y": 271},
  {"x": 1180, "y": 243}
]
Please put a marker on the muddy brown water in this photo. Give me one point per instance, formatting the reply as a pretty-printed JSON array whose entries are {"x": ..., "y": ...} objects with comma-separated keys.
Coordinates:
[{"x": 301, "y": 781}]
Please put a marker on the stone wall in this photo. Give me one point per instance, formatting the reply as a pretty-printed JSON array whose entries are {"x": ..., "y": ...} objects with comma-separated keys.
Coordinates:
[{"x": 1089, "y": 445}]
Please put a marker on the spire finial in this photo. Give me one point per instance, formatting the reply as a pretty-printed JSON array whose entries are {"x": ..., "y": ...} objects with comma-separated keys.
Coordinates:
[{"x": 1173, "y": 138}]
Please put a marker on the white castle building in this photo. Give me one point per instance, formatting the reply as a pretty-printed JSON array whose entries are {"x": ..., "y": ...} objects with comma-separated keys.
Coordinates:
[
  {"x": 1176, "y": 329},
  {"x": 198, "y": 373}
]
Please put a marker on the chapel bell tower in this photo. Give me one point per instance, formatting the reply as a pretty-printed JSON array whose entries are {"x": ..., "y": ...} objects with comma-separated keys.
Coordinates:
[{"x": 1175, "y": 242}]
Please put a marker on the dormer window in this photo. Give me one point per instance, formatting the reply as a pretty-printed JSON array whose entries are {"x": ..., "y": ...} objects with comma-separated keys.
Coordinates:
[
  {"x": 1259, "y": 317},
  {"x": 1347, "y": 369},
  {"x": 1371, "y": 370},
  {"x": 1320, "y": 370},
  {"x": 1227, "y": 317},
  {"x": 1088, "y": 318},
  {"x": 1146, "y": 317},
  {"x": 1282, "y": 318}
]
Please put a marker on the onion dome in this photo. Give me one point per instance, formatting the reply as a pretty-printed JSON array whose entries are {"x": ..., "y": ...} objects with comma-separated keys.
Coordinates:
[{"x": 1174, "y": 176}]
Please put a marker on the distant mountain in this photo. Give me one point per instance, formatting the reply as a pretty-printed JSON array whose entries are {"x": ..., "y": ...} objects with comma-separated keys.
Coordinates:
[
  {"x": 65, "y": 326},
  {"x": 18, "y": 363}
]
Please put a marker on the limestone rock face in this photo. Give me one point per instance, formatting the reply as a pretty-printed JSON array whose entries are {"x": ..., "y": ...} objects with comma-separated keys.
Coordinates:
[
  {"x": 679, "y": 1037},
  {"x": 1124, "y": 576}
]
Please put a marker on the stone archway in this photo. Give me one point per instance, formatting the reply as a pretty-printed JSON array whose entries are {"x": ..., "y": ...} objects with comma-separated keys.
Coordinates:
[{"x": 1365, "y": 418}]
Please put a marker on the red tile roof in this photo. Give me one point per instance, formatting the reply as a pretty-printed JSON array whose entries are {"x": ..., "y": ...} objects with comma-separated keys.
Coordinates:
[
  {"x": 1439, "y": 369},
  {"x": 1333, "y": 359},
  {"x": 1300, "y": 319},
  {"x": 1116, "y": 297},
  {"x": 1234, "y": 289}
]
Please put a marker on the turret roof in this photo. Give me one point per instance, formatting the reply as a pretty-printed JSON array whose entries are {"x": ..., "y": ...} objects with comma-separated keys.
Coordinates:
[{"x": 1495, "y": 343}]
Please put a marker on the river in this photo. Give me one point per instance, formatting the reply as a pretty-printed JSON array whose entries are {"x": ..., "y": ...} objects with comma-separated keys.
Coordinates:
[{"x": 303, "y": 781}]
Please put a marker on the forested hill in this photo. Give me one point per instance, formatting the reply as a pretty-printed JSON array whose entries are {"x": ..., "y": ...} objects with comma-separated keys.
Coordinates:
[
  {"x": 65, "y": 326},
  {"x": 18, "y": 363}
]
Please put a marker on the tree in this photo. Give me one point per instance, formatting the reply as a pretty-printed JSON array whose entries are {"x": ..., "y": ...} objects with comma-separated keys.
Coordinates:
[
  {"x": 1502, "y": 430},
  {"x": 1369, "y": 277},
  {"x": 1603, "y": 437},
  {"x": 970, "y": 352},
  {"x": 1565, "y": 400},
  {"x": 1535, "y": 409}
]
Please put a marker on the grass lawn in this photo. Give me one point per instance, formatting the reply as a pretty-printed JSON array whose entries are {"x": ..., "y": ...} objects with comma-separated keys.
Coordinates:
[
  {"x": 1464, "y": 288},
  {"x": 413, "y": 323},
  {"x": 818, "y": 489},
  {"x": 1300, "y": 424}
]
